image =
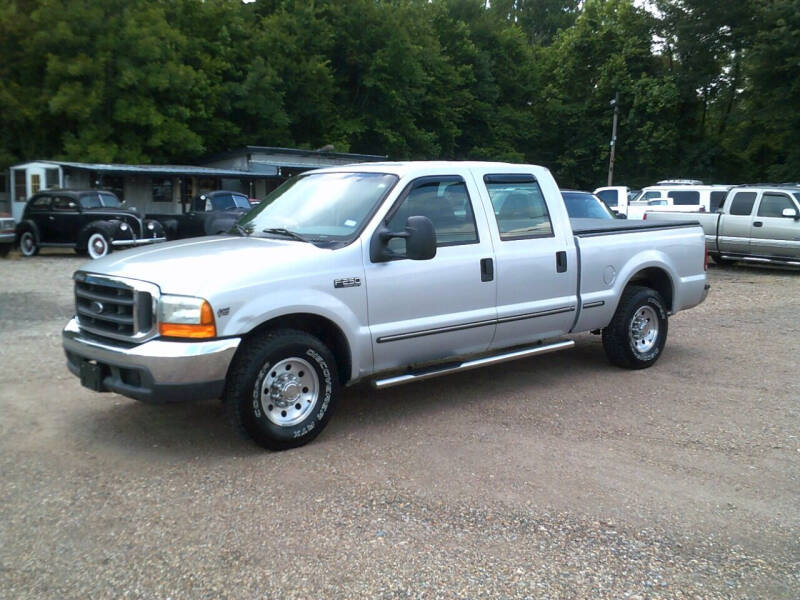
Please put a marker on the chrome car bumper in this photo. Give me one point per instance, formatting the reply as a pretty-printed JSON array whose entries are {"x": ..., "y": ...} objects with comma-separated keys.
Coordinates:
[
  {"x": 7, "y": 238},
  {"x": 157, "y": 371},
  {"x": 138, "y": 242}
]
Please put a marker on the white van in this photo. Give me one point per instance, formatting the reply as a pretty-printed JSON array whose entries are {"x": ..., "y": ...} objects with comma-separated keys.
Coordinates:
[{"x": 677, "y": 196}]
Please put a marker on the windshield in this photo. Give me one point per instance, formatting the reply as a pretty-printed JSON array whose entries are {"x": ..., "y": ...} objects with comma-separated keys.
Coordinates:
[
  {"x": 321, "y": 207},
  {"x": 229, "y": 201},
  {"x": 583, "y": 205}
]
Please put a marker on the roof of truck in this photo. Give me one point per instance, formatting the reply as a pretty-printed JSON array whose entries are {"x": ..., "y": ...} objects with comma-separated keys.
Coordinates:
[{"x": 404, "y": 167}]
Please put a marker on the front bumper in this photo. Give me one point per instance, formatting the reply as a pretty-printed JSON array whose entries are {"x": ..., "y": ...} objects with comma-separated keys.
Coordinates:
[
  {"x": 7, "y": 238},
  {"x": 139, "y": 242},
  {"x": 157, "y": 371}
]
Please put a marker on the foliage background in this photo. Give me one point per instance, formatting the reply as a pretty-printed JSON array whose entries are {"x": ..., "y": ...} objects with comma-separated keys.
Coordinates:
[{"x": 708, "y": 89}]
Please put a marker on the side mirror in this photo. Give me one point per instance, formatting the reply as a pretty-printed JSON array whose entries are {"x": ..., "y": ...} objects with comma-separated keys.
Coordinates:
[
  {"x": 790, "y": 213},
  {"x": 420, "y": 237}
]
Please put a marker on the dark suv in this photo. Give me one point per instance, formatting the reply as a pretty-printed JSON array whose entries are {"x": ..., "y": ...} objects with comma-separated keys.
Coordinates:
[{"x": 90, "y": 221}]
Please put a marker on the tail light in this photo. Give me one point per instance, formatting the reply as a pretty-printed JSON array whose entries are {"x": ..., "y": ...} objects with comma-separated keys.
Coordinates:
[
  {"x": 702, "y": 209},
  {"x": 644, "y": 217}
]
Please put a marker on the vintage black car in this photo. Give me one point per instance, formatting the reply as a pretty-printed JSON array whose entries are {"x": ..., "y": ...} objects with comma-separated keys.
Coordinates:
[
  {"x": 92, "y": 222},
  {"x": 211, "y": 214}
]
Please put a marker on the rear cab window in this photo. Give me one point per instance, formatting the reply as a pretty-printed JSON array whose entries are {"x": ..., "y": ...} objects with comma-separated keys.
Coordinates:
[
  {"x": 742, "y": 203},
  {"x": 520, "y": 209}
]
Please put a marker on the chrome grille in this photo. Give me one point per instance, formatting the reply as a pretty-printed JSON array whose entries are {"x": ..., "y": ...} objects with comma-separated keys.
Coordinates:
[{"x": 114, "y": 308}]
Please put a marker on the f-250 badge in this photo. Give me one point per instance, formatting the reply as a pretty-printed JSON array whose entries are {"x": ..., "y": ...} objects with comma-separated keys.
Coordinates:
[{"x": 347, "y": 282}]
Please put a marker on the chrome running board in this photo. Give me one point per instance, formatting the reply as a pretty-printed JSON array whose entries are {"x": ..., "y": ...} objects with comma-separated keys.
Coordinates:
[
  {"x": 471, "y": 364},
  {"x": 760, "y": 259}
]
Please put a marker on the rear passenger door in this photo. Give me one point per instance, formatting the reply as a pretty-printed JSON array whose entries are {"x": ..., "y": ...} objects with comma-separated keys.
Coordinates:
[
  {"x": 423, "y": 310},
  {"x": 735, "y": 225},
  {"x": 772, "y": 233},
  {"x": 536, "y": 265}
]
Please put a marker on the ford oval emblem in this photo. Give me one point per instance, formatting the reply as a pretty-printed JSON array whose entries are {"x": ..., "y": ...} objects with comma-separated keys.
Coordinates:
[{"x": 96, "y": 307}]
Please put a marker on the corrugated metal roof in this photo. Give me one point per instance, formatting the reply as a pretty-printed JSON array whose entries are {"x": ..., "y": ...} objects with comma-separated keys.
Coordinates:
[{"x": 185, "y": 170}]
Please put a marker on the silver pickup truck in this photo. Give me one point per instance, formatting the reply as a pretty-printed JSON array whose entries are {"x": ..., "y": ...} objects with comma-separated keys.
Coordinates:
[
  {"x": 395, "y": 272},
  {"x": 756, "y": 223}
]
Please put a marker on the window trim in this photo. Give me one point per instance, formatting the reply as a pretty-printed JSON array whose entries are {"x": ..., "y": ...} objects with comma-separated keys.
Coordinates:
[
  {"x": 490, "y": 178},
  {"x": 418, "y": 182}
]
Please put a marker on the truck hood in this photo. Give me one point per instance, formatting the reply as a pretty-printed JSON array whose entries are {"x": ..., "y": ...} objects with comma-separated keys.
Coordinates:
[{"x": 201, "y": 266}]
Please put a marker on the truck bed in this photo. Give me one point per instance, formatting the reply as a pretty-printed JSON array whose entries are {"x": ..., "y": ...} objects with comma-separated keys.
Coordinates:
[{"x": 592, "y": 227}]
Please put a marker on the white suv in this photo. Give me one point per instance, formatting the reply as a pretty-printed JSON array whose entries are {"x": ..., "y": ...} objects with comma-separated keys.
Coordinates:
[{"x": 677, "y": 196}]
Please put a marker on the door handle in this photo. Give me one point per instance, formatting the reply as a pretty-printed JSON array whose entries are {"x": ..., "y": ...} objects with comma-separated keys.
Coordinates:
[
  {"x": 757, "y": 223},
  {"x": 487, "y": 269},
  {"x": 561, "y": 261}
]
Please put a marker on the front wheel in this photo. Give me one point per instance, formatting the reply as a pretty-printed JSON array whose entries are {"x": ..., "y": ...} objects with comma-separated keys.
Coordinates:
[
  {"x": 282, "y": 389},
  {"x": 637, "y": 333},
  {"x": 97, "y": 245},
  {"x": 27, "y": 243}
]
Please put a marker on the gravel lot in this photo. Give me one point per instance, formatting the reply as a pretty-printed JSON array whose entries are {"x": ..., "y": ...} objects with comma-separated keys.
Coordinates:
[{"x": 555, "y": 477}]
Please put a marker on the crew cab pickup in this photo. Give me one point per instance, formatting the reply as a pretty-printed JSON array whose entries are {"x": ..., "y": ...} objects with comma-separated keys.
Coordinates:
[
  {"x": 756, "y": 223},
  {"x": 394, "y": 272}
]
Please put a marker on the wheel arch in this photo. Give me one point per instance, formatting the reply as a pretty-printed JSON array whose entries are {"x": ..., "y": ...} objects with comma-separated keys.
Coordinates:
[
  {"x": 107, "y": 228},
  {"x": 26, "y": 225},
  {"x": 657, "y": 279},
  {"x": 328, "y": 332}
]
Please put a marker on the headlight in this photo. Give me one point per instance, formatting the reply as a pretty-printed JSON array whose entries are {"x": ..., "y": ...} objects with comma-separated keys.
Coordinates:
[
  {"x": 150, "y": 226},
  {"x": 123, "y": 227},
  {"x": 185, "y": 317}
]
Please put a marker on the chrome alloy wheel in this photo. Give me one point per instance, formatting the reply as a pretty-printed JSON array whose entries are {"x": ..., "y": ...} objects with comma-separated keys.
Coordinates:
[
  {"x": 289, "y": 391},
  {"x": 643, "y": 330}
]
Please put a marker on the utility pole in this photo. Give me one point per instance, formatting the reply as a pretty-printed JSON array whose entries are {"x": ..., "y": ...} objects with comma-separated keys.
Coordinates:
[{"x": 615, "y": 104}]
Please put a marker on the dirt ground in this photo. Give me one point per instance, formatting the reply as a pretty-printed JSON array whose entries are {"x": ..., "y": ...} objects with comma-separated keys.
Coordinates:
[{"x": 554, "y": 477}]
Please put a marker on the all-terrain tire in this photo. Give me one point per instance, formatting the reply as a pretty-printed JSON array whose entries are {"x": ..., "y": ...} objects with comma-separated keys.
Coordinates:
[
  {"x": 282, "y": 389},
  {"x": 637, "y": 333}
]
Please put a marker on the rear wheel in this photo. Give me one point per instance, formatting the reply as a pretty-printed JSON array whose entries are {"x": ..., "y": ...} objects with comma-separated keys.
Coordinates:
[
  {"x": 638, "y": 331},
  {"x": 27, "y": 243},
  {"x": 97, "y": 245},
  {"x": 282, "y": 389}
]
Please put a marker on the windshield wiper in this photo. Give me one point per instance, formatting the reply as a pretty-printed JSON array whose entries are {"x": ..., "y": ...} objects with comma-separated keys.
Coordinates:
[
  {"x": 287, "y": 233},
  {"x": 241, "y": 230}
]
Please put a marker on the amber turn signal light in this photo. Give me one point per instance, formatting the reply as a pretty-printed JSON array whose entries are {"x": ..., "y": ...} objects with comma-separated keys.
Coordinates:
[{"x": 206, "y": 328}]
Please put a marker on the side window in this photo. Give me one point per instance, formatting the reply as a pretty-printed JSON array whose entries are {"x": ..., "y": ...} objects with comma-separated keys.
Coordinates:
[
  {"x": 684, "y": 198},
  {"x": 609, "y": 197},
  {"x": 40, "y": 204},
  {"x": 64, "y": 204},
  {"x": 742, "y": 203},
  {"x": 716, "y": 201},
  {"x": 519, "y": 207},
  {"x": 650, "y": 195},
  {"x": 90, "y": 200},
  {"x": 772, "y": 205},
  {"x": 446, "y": 203}
]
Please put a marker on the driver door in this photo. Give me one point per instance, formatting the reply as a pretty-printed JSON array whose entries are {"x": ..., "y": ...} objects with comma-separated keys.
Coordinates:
[{"x": 425, "y": 310}]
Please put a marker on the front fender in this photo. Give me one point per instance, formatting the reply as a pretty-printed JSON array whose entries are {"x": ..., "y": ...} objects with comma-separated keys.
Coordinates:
[
  {"x": 273, "y": 303},
  {"x": 26, "y": 225}
]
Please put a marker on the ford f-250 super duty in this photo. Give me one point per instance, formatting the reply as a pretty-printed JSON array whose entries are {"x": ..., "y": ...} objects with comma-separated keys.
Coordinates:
[{"x": 394, "y": 271}]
